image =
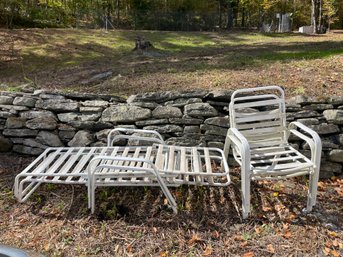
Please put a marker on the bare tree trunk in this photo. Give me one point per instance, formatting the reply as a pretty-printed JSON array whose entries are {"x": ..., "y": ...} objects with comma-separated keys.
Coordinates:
[
  {"x": 229, "y": 15},
  {"x": 220, "y": 14},
  {"x": 313, "y": 16},
  {"x": 118, "y": 13},
  {"x": 243, "y": 18},
  {"x": 320, "y": 16}
]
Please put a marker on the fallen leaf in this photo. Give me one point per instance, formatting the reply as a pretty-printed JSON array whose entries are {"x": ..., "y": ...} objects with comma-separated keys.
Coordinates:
[
  {"x": 270, "y": 248},
  {"x": 266, "y": 208},
  {"x": 47, "y": 247},
  {"x": 243, "y": 244},
  {"x": 321, "y": 185},
  {"x": 129, "y": 248},
  {"x": 326, "y": 251},
  {"x": 195, "y": 238},
  {"x": 334, "y": 253},
  {"x": 208, "y": 251},
  {"x": 332, "y": 233},
  {"x": 163, "y": 254},
  {"x": 276, "y": 194},
  {"x": 248, "y": 254},
  {"x": 287, "y": 234},
  {"x": 285, "y": 226},
  {"x": 215, "y": 234},
  {"x": 258, "y": 230}
]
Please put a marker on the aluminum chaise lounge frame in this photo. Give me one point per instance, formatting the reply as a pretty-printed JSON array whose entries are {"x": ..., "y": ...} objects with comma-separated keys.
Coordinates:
[
  {"x": 259, "y": 136},
  {"x": 157, "y": 165}
]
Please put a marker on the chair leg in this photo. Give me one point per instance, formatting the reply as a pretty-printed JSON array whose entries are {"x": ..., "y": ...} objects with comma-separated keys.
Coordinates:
[
  {"x": 245, "y": 192},
  {"x": 312, "y": 190},
  {"x": 227, "y": 147}
]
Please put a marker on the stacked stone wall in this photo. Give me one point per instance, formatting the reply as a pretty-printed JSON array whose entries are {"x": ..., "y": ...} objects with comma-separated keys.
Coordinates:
[{"x": 31, "y": 122}]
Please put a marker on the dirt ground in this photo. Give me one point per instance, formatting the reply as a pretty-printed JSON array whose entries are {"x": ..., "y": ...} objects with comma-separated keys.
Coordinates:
[
  {"x": 128, "y": 221},
  {"x": 66, "y": 59}
]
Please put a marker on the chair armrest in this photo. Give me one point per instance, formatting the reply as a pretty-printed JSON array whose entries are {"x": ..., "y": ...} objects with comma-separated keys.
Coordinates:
[
  {"x": 97, "y": 163},
  {"x": 314, "y": 141},
  {"x": 111, "y": 138},
  {"x": 239, "y": 140}
]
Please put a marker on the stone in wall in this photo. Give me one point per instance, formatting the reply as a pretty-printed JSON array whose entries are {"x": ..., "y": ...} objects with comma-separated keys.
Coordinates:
[
  {"x": 219, "y": 145},
  {"x": 49, "y": 138},
  {"x": 33, "y": 143},
  {"x": 25, "y": 101},
  {"x": 184, "y": 141},
  {"x": 20, "y": 132},
  {"x": 6, "y": 100},
  {"x": 200, "y": 110},
  {"x": 91, "y": 125},
  {"x": 27, "y": 150},
  {"x": 15, "y": 122},
  {"x": 309, "y": 121},
  {"x": 318, "y": 107},
  {"x": 186, "y": 120},
  {"x": 152, "y": 122},
  {"x": 149, "y": 105},
  {"x": 165, "y": 128},
  {"x": 90, "y": 109},
  {"x": 5, "y": 114},
  {"x": 220, "y": 95},
  {"x": 324, "y": 128},
  {"x": 336, "y": 155},
  {"x": 334, "y": 116},
  {"x": 293, "y": 108},
  {"x": 191, "y": 130},
  {"x": 306, "y": 114},
  {"x": 37, "y": 114},
  {"x": 218, "y": 121},
  {"x": 166, "y": 112},
  {"x": 82, "y": 138},
  {"x": 180, "y": 102},
  {"x": 58, "y": 105},
  {"x": 42, "y": 123},
  {"x": 69, "y": 117},
  {"x": 213, "y": 130},
  {"x": 336, "y": 100},
  {"x": 160, "y": 97},
  {"x": 329, "y": 169},
  {"x": 66, "y": 135},
  {"x": 95, "y": 103},
  {"x": 125, "y": 113}
]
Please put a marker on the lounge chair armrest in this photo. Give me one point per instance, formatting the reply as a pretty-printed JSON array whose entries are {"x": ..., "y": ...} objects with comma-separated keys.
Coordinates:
[
  {"x": 96, "y": 163},
  {"x": 112, "y": 138},
  {"x": 314, "y": 140}
]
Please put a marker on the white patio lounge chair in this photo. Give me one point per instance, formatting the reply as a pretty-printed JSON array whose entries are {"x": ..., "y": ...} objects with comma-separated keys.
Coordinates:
[
  {"x": 258, "y": 136},
  {"x": 157, "y": 165}
]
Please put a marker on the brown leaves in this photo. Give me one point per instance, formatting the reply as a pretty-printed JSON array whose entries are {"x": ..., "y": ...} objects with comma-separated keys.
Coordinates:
[
  {"x": 195, "y": 239},
  {"x": 208, "y": 251},
  {"x": 270, "y": 248},
  {"x": 249, "y": 254}
]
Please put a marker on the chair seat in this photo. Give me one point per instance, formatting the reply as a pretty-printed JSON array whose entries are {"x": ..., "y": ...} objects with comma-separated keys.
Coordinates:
[{"x": 177, "y": 165}]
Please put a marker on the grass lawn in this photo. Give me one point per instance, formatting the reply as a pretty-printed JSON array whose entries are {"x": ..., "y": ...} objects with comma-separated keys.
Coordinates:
[{"x": 61, "y": 59}]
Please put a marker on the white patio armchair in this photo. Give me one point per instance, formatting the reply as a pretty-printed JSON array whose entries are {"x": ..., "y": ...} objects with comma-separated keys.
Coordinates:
[{"x": 258, "y": 137}]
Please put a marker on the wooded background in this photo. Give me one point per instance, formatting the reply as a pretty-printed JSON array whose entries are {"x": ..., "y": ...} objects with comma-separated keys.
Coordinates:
[{"x": 186, "y": 15}]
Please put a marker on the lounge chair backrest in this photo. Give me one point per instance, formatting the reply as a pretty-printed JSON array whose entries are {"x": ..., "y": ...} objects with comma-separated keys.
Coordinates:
[{"x": 260, "y": 115}]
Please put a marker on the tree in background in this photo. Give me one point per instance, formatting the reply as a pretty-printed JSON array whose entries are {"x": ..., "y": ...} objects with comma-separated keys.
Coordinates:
[{"x": 169, "y": 14}]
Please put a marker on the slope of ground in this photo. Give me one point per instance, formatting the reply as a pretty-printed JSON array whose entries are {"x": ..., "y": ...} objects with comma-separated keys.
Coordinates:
[{"x": 65, "y": 59}]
